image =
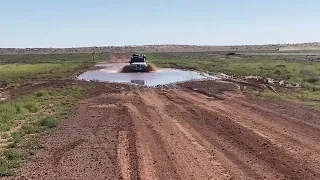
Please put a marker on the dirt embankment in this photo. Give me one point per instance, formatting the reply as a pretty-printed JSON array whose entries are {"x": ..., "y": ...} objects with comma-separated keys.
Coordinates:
[
  {"x": 118, "y": 57},
  {"x": 176, "y": 134}
]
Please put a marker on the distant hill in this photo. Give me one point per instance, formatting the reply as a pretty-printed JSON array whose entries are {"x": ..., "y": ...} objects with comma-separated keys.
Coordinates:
[
  {"x": 300, "y": 47},
  {"x": 163, "y": 48}
]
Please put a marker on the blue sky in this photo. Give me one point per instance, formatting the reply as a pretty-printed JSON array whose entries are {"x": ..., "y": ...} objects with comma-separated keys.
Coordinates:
[{"x": 74, "y": 23}]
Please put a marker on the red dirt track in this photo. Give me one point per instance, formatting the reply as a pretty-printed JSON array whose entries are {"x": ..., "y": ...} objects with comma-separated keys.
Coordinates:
[{"x": 177, "y": 134}]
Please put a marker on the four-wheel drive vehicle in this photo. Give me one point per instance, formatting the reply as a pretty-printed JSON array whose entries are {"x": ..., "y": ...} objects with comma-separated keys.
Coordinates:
[{"x": 138, "y": 62}]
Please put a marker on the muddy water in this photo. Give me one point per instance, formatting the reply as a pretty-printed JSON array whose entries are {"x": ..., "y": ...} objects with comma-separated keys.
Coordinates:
[{"x": 111, "y": 73}]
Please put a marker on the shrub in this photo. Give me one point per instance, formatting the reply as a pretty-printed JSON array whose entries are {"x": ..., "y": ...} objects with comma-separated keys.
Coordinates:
[
  {"x": 49, "y": 122},
  {"x": 31, "y": 107},
  {"x": 313, "y": 79},
  {"x": 39, "y": 94},
  {"x": 32, "y": 129}
]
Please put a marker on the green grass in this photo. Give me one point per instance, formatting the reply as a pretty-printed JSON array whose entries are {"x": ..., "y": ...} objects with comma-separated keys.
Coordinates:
[
  {"x": 18, "y": 110},
  {"x": 32, "y": 129},
  {"x": 17, "y": 136},
  {"x": 304, "y": 96},
  {"x": 50, "y": 58},
  {"x": 9, "y": 160},
  {"x": 39, "y": 126},
  {"x": 39, "y": 111},
  {"x": 20, "y": 72},
  {"x": 38, "y": 104},
  {"x": 18, "y": 68},
  {"x": 48, "y": 122}
]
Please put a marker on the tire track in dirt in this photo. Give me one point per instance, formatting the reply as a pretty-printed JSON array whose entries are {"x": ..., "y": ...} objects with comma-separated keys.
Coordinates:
[
  {"x": 252, "y": 115},
  {"x": 276, "y": 157},
  {"x": 57, "y": 155},
  {"x": 123, "y": 155},
  {"x": 297, "y": 138},
  {"x": 191, "y": 159},
  {"x": 238, "y": 168},
  {"x": 154, "y": 162}
]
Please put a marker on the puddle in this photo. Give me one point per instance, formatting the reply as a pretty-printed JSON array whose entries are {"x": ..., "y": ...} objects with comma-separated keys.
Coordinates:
[{"x": 110, "y": 73}]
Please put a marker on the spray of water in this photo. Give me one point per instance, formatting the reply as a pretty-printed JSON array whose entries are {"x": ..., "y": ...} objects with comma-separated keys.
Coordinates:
[{"x": 127, "y": 69}]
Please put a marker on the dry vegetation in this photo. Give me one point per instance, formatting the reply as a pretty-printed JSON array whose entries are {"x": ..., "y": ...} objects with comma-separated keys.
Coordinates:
[{"x": 163, "y": 48}]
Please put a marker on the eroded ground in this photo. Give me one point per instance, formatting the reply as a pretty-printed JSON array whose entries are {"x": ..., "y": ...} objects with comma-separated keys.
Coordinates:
[{"x": 128, "y": 133}]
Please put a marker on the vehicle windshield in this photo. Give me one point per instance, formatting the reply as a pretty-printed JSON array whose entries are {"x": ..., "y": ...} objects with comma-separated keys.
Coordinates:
[{"x": 137, "y": 59}]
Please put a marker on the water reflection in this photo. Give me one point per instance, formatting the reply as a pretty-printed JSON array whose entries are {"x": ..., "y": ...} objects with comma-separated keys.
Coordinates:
[{"x": 140, "y": 82}]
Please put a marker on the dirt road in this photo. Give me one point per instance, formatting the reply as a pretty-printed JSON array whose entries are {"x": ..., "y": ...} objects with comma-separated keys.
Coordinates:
[{"x": 175, "y": 134}]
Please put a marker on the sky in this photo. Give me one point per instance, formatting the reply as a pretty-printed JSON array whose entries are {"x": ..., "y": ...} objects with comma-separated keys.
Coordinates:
[{"x": 78, "y": 23}]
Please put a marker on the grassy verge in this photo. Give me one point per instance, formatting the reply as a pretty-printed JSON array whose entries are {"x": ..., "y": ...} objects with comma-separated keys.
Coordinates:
[
  {"x": 23, "y": 119},
  {"x": 49, "y": 58},
  {"x": 19, "y": 68},
  {"x": 304, "y": 96}
]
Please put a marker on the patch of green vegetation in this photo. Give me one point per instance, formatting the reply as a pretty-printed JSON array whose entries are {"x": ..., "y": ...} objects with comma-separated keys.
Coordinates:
[
  {"x": 11, "y": 154},
  {"x": 17, "y": 68},
  {"x": 17, "y": 136},
  {"x": 20, "y": 72},
  {"x": 51, "y": 58},
  {"x": 308, "y": 95},
  {"x": 48, "y": 122},
  {"x": 32, "y": 129},
  {"x": 39, "y": 111},
  {"x": 20, "y": 109},
  {"x": 7, "y": 114},
  {"x": 40, "y": 126},
  {"x": 35, "y": 105},
  {"x": 31, "y": 107},
  {"x": 305, "y": 96},
  {"x": 9, "y": 159},
  {"x": 274, "y": 95},
  {"x": 32, "y": 144}
]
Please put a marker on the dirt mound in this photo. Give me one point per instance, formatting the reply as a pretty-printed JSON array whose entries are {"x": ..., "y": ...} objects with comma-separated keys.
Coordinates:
[
  {"x": 118, "y": 57},
  {"x": 210, "y": 88},
  {"x": 150, "y": 68}
]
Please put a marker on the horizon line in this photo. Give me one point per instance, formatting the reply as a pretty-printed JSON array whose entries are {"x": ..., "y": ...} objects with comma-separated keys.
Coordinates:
[{"x": 315, "y": 42}]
